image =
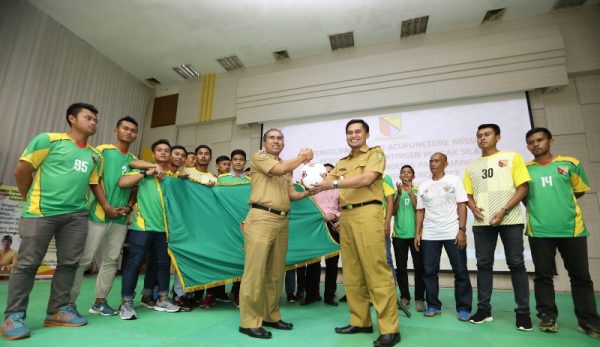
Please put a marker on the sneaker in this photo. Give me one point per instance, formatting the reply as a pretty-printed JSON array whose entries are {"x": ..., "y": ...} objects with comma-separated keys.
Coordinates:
[
  {"x": 523, "y": 322},
  {"x": 548, "y": 324},
  {"x": 222, "y": 298},
  {"x": 148, "y": 301},
  {"x": 14, "y": 328},
  {"x": 209, "y": 300},
  {"x": 481, "y": 317},
  {"x": 126, "y": 311},
  {"x": 102, "y": 309},
  {"x": 593, "y": 331},
  {"x": 432, "y": 312},
  {"x": 420, "y": 306},
  {"x": 184, "y": 303},
  {"x": 166, "y": 305},
  {"x": 404, "y": 302},
  {"x": 463, "y": 315},
  {"x": 291, "y": 298},
  {"x": 66, "y": 316}
]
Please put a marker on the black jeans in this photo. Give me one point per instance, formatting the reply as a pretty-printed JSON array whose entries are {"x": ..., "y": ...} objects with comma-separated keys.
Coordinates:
[
  {"x": 573, "y": 251},
  {"x": 463, "y": 292},
  {"x": 331, "y": 274},
  {"x": 401, "y": 247},
  {"x": 486, "y": 238}
]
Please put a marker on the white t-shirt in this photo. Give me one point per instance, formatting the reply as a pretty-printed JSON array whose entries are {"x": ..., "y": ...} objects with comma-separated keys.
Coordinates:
[{"x": 440, "y": 199}]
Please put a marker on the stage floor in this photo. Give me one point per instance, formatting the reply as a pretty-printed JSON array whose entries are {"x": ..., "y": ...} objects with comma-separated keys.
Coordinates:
[{"x": 313, "y": 325}]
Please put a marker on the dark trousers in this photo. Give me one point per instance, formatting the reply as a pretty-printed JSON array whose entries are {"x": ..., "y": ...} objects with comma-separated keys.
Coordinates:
[
  {"x": 139, "y": 244},
  {"x": 331, "y": 273},
  {"x": 69, "y": 232},
  {"x": 486, "y": 238},
  {"x": 401, "y": 247},
  {"x": 463, "y": 292},
  {"x": 573, "y": 251},
  {"x": 312, "y": 280}
]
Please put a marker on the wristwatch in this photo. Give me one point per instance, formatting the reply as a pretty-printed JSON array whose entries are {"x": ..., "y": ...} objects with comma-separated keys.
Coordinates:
[
  {"x": 462, "y": 229},
  {"x": 335, "y": 184}
]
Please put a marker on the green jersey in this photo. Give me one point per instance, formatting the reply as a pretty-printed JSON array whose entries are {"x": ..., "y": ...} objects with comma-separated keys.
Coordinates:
[
  {"x": 405, "y": 223},
  {"x": 114, "y": 165},
  {"x": 388, "y": 189},
  {"x": 63, "y": 172},
  {"x": 552, "y": 209},
  {"x": 149, "y": 212},
  {"x": 228, "y": 179}
]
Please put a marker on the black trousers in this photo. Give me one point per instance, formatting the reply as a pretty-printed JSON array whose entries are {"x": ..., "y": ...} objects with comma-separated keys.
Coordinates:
[
  {"x": 401, "y": 247},
  {"x": 573, "y": 251}
]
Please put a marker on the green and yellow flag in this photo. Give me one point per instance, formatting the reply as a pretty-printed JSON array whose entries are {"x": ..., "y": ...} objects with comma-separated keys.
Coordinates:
[{"x": 205, "y": 237}]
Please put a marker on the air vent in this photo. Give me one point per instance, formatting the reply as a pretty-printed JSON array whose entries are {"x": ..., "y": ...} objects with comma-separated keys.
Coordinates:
[
  {"x": 493, "y": 15},
  {"x": 414, "y": 26},
  {"x": 186, "y": 71},
  {"x": 341, "y": 41},
  {"x": 281, "y": 55},
  {"x": 560, "y": 4},
  {"x": 231, "y": 63},
  {"x": 152, "y": 81}
]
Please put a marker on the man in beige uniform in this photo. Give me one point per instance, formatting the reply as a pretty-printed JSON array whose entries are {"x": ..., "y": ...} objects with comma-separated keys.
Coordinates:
[
  {"x": 266, "y": 236},
  {"x": 365, "y": 270}
]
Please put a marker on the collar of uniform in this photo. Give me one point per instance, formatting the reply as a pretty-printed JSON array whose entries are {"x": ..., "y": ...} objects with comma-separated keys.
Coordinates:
[
  {"x": 65, "y": 136},
  {"x": 363, "y": 149},
  {"x": 224, "y": 175},
  {"x": 271, "y": 155}
]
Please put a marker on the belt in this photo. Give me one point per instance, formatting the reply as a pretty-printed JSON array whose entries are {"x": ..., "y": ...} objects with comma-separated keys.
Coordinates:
[
  {"x": 361, "y": 204},
  {"x": 268, "y": 209}
]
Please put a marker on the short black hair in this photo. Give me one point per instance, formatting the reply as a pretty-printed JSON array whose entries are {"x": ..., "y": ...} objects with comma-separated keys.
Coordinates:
[
  {"x": 238, "y": 152},
  {"x": 538, "y": 130},
  {"x": 329, "y": 164},
  {"x": 203, "y": 146},
  {"x": 160, "y": 142},
  {"x": 7, "y": 238},
  {"x": 359, "y": 121},
  {"x": 75, "y": 108},
  {"x": 494, "y": 127},
  {"x": 179, "y": 147},
  {"x": 222, "y": 158},
  {"x": 127, "y": 119},
  {"x": 407, "y": 166}
]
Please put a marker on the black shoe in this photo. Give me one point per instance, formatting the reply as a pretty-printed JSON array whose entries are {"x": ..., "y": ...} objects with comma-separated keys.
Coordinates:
[
  {"x": 291, "y": 298},
  {"x": 343, "y": 299},
  {"x": 186, "y": 304},
  {"x": 331, "y": 302},
  {"x": 387, "y": 340},
  {"x": 351, "y": 329},
  {"x": 308, "y": 301},
  {"x": 258, "y": 333},
  {"x": 281, "y": 325}
]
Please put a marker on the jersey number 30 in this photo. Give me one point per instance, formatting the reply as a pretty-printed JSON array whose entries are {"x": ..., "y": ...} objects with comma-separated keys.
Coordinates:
[{"x": 487, "y": 173}]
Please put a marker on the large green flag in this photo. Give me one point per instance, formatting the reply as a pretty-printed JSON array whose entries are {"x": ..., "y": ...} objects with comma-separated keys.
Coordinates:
[{"x": 205, "y": 236}]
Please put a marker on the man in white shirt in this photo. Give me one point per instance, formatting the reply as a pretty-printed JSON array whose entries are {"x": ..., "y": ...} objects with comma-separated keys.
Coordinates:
[{"x": 441, "y": 219}]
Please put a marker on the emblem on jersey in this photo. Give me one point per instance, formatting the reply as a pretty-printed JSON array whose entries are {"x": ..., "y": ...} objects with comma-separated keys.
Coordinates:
[
  {"x": 379, "y": 156},
  {"x": 449, "y": 189},
  {"x": 563, "y": 170},
  {"x": 502, "y": 163}
]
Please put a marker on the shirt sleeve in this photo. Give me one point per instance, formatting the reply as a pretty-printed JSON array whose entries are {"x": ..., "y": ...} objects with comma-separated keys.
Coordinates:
[
  {"x": 468, "y": 184},
  {"x": 388, "y": 186},
  {"x": 461, "y": 194},
  {"x": 376, "y": 160},
  {"x": 420, "y": 204},
  {"x": 263, "y": 163},
  {"x": 519, "y": 170},
  {"x": 37, "y": 150},
  {"x": 579, "y": 180}
]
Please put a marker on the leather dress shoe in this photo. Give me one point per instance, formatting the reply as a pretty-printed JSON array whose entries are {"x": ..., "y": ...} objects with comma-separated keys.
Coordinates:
[
  {"x": 351, "y": 329},
  {"x": 281, "y": 325},
  {"x": 387, "y": 340},
  {"x": 259, "y": 332}
]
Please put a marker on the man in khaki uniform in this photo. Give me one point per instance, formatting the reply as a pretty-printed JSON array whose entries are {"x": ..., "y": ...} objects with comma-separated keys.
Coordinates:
[
  {"x": 266, "y": 236},
  {"x": 366, "y": 273}
]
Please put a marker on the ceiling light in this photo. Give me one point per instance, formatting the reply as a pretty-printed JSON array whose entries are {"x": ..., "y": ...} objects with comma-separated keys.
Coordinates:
[
  {"x": 231, "y": 63},
  {"x": 560, "y": 4},
  {"x": 186, "y": 71},
  {"x": 493, "y": 15},
  {"x": 281, "y": 55}
]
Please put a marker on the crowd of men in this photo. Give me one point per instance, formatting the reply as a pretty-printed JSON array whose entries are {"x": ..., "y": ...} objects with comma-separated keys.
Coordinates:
[{"x": 358, "y": 203}]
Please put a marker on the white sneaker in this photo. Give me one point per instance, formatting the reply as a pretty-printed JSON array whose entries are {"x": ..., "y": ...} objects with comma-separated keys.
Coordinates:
[{"x": 166, "y": 306}]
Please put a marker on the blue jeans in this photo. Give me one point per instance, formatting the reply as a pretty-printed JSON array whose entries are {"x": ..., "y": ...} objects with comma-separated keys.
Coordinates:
[
  {"x": 139, "y": 244},
  {"x": 463, "y": 292},
  {"x": 486, "y": 238},
  {"x": 388, "y": 256}
]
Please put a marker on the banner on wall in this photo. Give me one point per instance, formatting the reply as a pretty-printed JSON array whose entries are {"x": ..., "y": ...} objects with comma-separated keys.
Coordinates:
[{"x": 11, "y": 203}]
